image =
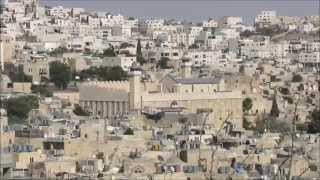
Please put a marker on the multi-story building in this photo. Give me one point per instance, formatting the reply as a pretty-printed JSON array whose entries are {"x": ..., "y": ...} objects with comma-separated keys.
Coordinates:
[
  {"x": 109, "y": 99},
  {"x": 37, "y": 67},
  {"x": 230, "y": 21},
  {"x": 154, "y": 24},
  {"x": 255, "y": 48},
  {"x": 203, "y": 57},
  {"x": 59, "y": 12},
  {"x": 311, "y": 59},
  {"x": 125, "y": 61},
  {"x": 267, "y": 18},
  {"x": 211, "y": 23},
  {"x": 193, "y": 34}
]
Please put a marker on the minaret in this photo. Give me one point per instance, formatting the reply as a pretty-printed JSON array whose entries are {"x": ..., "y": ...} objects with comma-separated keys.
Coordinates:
[{"x": 135, "y": 90}]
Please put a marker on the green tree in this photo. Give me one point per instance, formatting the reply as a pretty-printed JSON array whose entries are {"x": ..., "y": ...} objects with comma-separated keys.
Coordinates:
[
  {"x": 297, "y": 78},
  {"x": 246, "y": 124},
  {"x": 163, "y": 63},
  {"x": 247, "y": 33},
  {"x": 108, "y": 53},
  {"x": 19, "y": 107},
  {"x": 125, "y": 45},
  {"x": 284, "y": 91},
  {"x": 16, "y": 74},
  {"x": 60, "y": 74},
  {"x": 247, "y": 104},
  {"x": 193, "y": 46},
  {"x": 104, "y": 73},
  {"x": 314, "y": 126},
  {"x": 274, "y": 108},
  {"x": 41, "y": 89},
  {"x": 242, "y": 69},
  {"x": 129, "y": 131},
  {"x": 111, "y": 73},
  {"x": 58, "y": 51},
  {"x": 79, "y": 111},
  {"x": 140, "y": 58},
  {"x": 273, "y": 125}
]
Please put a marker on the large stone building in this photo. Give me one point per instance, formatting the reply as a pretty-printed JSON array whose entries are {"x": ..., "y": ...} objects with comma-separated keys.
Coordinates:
[{"x": 109, "y": 99}]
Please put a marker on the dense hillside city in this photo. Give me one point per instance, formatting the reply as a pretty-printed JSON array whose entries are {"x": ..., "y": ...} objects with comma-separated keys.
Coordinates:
[{"x": 95, "y": 95}]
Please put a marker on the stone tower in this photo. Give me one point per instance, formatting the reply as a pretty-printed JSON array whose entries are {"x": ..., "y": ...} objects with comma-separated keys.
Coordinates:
[{"x": 135, "y": 90}]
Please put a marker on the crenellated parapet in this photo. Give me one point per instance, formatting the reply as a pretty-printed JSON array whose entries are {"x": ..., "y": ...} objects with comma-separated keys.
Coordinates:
[
  {"x": 191, "y": 96},
  {"x": 109, "y": 85}
]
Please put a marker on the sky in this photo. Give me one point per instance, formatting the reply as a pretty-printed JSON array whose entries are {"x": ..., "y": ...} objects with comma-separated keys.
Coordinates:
[{"x": 194, "y": 10}]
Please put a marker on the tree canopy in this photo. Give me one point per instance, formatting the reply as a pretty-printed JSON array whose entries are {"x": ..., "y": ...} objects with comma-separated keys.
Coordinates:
[
  {"x": 193, "y": 46},
  {"x": 163, "y": 63},
  {"x": 109, "y": 52},
  {"x": 58, "y": 51},
  {"x": 60, "y": 74},
  {"x": 274, "y": 108},
  {"x": 297, "y": 78},
  {"x": 41, "y": 89},
  {"x": 16, "y": 74},
  {"x": 79, "y": 111},
  {"x": 125, "y": 45},
  {"x": 103, "y": 73},
  {"x": 247, "y": 104},
  {"x": 140, "y": 58},
  {"x": 19, "y": 107},
  {"x": 314, "y": 126}
]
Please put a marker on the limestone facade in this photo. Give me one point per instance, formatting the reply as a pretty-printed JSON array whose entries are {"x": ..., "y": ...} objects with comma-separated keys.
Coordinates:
[{"x": 108, "y": 99}]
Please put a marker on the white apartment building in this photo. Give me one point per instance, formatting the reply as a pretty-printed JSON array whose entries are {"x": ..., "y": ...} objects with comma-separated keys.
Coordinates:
[
  {"x": 216, "y": 42},
  {"x": 309, "y": 58},
  {"x": 59, "y": 12},
  {"x": 230, "y": 21},
  {"x": 76, "y": 11},
  {"x": 251, "y": 48},
  {"x": 306, "y": 27},
  {"x": 180, "y": 38},
  {"x": 93, "y": 21},
  {"x": 111, "y": 20},
  {"x": 228, "y": 33},
  {"x": 267, "y": 17},
  {"x": 310, "y": 46},
  {"x": 194, "y": 32},
  {"x": 279, "y": 50},
  {"x": 154, "y": 24},
  {"x": 37, "y": 67},
  {"x": 210, "y": 23},
  {"x": 156, "y": 34},
  {"x": 171, "y": 53},
  {"x": 131, "y": 22},
  {"x": 203, "y": 57}
]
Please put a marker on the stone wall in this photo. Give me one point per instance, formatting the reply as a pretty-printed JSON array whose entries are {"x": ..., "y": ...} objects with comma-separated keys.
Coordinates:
[{"x": 221, "y": 103}]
